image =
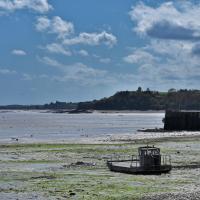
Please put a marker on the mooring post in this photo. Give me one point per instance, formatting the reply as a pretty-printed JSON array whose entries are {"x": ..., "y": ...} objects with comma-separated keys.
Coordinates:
[
  {"x": 136, "y": 161},
  {"x": 131, "y": 160},
  {"x": 164, "y": 159}
]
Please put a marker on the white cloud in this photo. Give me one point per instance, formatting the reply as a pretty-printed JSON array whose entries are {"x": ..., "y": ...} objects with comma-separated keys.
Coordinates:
[
  {"x": 105, "y": 60},
  {"x": 51, "y": 62},
  {"x": 92, "y": 39},
  {"x": 58, "y": 49},
  {"x": 64, "y": 30},
  {"x": 27, "y": 77},
  {"x": 7, "y": 71},
  {"x": 61, "y": 27},
  {"x": 43, "y": 23},
  {"x": 83, "y": 52},
  {"x": 77, "y": 68},
  {"x": 169, "y": 48},
  {"x": 96, "y": 56},
  {"x": 56, "y": 25},
  {"x": 139, "y": 56},
  {"x": 43, "y": 76},
  {"x": 40, "y": 6},
  {"x": 170, "y": 64},
  {"x": 18, "y": 52},
  {"x": 31, "y": 77},
  {"x": 169, "y": 57},
  {"x": 78, "y": 72},
  {"x": 176, "y": 66},
  {"x": 171, "y": 20}
]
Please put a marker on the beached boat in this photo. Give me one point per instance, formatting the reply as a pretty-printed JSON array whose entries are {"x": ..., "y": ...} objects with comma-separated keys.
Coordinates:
[{"x": 148, "y": 161}]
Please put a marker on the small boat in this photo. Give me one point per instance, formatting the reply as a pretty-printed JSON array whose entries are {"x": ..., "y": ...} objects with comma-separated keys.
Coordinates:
[{"x": 149, "y": 161}]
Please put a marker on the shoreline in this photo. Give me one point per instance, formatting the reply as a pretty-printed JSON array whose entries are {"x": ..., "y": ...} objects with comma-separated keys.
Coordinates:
[
  {"x": 116, "y": 139},
  {"x": 66, "y": 111}
]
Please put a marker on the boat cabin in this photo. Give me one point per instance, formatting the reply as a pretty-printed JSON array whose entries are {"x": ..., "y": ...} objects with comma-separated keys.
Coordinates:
[
  {"x": 148, "y": 161},
  {"x": 149, "y": 157}
]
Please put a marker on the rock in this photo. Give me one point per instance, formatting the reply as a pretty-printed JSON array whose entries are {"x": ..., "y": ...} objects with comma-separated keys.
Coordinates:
[
  {"x": 71, "y": 193},
  {"x": 81, "y": 163},
  {"x": 16, "y": 139}
]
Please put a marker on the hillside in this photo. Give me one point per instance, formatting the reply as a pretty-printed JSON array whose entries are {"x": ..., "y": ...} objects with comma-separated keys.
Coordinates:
[
  {"x": 147, "y": 100},
  {"x": 128, "y": 100}
]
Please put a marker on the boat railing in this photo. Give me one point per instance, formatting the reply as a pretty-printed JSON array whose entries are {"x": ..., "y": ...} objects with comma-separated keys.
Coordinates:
[
  {"x": 166, "y": 160},
  {"x": 135, "y": 160},
  {"x": 118, "y": 158}
]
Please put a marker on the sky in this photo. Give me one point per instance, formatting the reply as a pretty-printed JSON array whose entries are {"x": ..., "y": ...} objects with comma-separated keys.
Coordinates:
[{"x": 75, "y": 50}]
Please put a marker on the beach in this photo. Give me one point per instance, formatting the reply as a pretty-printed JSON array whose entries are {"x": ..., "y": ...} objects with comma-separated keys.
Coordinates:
[{"x": 74, "y": 166}]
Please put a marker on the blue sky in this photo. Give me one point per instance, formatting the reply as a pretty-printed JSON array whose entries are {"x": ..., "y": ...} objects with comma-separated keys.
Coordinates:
[{"x": 74, "y": 50}]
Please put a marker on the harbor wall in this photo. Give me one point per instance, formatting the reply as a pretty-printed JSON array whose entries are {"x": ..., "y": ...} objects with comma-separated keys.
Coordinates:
[{"x": 182, "y": 120}]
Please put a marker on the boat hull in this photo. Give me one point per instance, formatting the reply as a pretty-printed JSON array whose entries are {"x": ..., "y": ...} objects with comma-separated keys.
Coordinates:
[{"x": 138, "y": 170}]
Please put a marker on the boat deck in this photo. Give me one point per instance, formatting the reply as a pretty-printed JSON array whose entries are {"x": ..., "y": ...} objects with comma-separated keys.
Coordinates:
[
  {"x": 125, "y": 167},
  {"x": 132, "y": 166},
  {"x": 124, "y": 164}
]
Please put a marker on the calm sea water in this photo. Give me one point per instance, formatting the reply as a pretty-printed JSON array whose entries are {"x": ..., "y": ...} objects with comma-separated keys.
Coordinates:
[{"x": 50, "y": 126}]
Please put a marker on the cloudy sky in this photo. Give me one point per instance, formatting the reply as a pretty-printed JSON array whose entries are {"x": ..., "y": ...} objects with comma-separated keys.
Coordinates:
[{"x": 75, "y": 50}]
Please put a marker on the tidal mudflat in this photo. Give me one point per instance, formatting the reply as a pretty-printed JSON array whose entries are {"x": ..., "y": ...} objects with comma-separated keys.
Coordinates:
[
  {"x": 78, "y": 171},
  {"x": 44, "y": 126}
]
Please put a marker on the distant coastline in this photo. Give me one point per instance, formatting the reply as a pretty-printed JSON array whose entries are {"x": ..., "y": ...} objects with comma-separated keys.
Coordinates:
[{"x": 126, "y": 101}]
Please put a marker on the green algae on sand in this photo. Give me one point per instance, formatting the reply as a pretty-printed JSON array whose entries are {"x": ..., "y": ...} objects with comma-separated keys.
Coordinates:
[{"x": 47, "y": 171}]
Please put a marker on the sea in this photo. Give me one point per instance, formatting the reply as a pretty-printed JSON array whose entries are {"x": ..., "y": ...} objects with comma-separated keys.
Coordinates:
[{"x": 44, "y": 126}]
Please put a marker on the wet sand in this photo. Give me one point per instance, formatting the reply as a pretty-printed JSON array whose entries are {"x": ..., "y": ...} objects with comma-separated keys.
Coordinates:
[
  {"x": 78, "y": 171},
  {"x": 34, "y": 126}
]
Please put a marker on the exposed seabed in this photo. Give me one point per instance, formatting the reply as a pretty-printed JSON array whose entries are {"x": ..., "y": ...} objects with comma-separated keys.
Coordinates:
[{"x": 78, "y": 170}]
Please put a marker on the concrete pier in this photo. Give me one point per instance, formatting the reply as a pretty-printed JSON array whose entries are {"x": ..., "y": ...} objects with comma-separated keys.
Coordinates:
[{"x": 182, "y": 120}]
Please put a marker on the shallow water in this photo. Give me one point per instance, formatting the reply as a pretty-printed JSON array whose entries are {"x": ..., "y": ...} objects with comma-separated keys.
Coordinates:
[{"x": 35, "y": 125}]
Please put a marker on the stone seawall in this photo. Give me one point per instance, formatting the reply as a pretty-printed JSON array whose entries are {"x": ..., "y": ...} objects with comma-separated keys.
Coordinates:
[{"x": 182, "y": 120}]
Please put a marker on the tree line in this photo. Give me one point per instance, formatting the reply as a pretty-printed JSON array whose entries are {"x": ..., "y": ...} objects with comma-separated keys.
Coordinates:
[
  {"x": 182, "y": 99},
  {"x": 147, "y": 100}
]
